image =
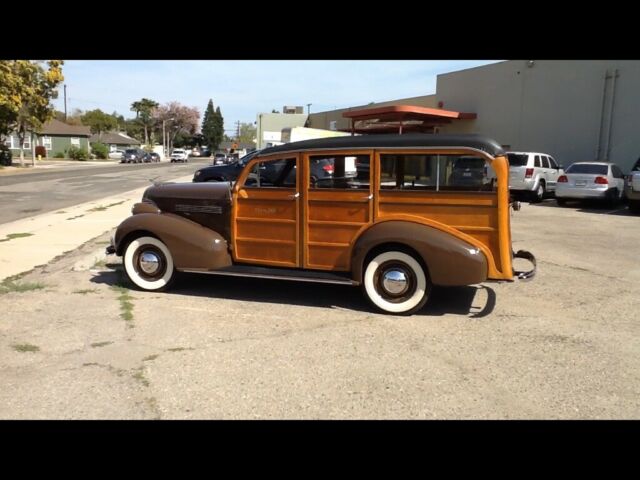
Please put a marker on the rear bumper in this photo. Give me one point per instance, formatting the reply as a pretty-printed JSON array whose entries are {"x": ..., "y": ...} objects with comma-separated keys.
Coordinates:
[{"x": 582, "y": 192}]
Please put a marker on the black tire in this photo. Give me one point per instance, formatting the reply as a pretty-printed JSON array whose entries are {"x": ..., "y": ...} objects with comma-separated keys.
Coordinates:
[
  {"x": 634, "y": 205},
  {"x": 613, "y": 197},
  {"x": 141, "y": 256},
  {"x": 396, "y": 282}
]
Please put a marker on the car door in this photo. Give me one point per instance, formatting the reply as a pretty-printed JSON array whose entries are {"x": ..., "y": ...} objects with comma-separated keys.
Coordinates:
[
  {"x": 266, "y": 211},
  {"x": 338, "y": 204},
  {"x": 618, "y": 177}
]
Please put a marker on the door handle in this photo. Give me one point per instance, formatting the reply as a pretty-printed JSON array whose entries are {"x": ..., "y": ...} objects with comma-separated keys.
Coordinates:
[
  {"x": 293, "y": 197},
  {"x": 370, "y": 197}
]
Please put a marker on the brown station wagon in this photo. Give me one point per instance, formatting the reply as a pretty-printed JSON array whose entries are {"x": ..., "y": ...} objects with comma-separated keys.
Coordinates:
[{"x": 389, "y": 216}]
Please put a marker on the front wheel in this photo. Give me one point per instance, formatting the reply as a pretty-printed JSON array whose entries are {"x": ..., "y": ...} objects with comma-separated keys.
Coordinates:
[
  {"x": 149, "y": 264},
  {"x": 395, "y": 282}
]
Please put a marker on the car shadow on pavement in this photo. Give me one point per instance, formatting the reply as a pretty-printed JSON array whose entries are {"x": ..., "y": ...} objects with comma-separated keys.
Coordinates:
[{"x": 443, "y": 301}]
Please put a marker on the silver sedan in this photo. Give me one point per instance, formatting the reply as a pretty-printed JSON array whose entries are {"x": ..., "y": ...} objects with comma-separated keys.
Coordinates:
[{"x": 591, "y": 180}]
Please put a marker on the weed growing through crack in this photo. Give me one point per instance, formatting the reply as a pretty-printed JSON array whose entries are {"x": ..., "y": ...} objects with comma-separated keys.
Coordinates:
[
  {"x": 101, "y": 208},
  {"x": 11, "y": 236},
  {"x": 126, "y": 306},
  {"x": 10, "y": 285},
  {"x": 85, "y": 291},
  {"x": 25, "y": 347},
  {"x": 100, "y": 344}
]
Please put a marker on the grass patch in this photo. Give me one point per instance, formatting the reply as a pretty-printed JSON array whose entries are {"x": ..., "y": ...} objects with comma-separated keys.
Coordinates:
[
  {"x": 149, "y": 358},
  {"x": 25, "y": 347},
  {"x": 11, "y": 236},
  {"x": 77, "y": 216},
  {"x": 99, "y": 264},
  {"x": 85, "y": 291},
  {"x": 100, "y": 344},
  {"x": 126, "y": 306},
  {"x": 9, "y": 285},
  {"x": 139, "y": 376},
  {"x": 102, "y": 208}
]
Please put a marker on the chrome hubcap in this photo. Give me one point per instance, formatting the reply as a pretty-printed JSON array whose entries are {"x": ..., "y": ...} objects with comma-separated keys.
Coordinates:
[
  {"x": 149, "y": 263},
  {"x": 395, "y": 282}
]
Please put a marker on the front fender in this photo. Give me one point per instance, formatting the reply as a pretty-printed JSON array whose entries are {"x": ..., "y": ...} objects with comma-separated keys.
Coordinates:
[
  {"x": 449, "y": 260},
  {"x": 191, "y": 245}
]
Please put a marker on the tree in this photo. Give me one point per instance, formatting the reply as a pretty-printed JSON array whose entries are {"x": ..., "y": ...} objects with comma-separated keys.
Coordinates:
[
  {"x": 26, "y": 90},
  {"x": 98, "y": 121},
  {"x": 219, "y": 127},
  {"x": 144, "y": 114},
  {"x": 209, "y": 127},
  {"x": 178, "y": 118},
  {"x": 247, "y": 133}
]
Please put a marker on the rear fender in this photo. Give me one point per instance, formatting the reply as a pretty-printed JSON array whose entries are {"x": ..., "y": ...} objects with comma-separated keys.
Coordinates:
[
  {"x": 450, "y": 261},
  {"x": 191, "y": 245}
]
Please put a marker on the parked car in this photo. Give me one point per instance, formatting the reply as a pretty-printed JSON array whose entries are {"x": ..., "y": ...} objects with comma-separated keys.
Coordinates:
[
  {"x": 194, "y": 153},
  {"x": 471, "y": 171},
  {"x": 5, "y": 156},
  {"x": 205, "y": 152},
  {"x": 219, "y": 158},
  {"x": 533, "y": 174},
  {"x": 223, "y": 173},
  {"x": 396, "y": 241},
  {"x": 133, "y": 155},
  {"x": 150, "y": 157},
  {"x": 179, "y": 155},
  {"x": 632, "y": 188},
  {"x": 591, "y": 180},
  {"x": 116, "y": 154}
]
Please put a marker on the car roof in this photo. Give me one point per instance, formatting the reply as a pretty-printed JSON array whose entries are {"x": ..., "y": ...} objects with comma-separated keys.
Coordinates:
[
  {"x": 473, "y": 141},
  {"x": 593, "y": 163},
  {"x": 529, "y": 153}
]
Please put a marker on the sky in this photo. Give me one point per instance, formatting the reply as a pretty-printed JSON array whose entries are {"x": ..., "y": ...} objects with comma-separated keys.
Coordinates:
[{"x": 244, "y": 88}]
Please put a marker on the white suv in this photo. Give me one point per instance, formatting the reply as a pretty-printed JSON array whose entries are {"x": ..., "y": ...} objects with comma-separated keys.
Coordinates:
[
  {"x": 533, "y": 173},
  {"x": 179, "y": 155}
]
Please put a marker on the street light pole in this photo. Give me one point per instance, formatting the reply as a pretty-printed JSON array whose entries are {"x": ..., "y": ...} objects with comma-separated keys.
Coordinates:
[{"x": 309, "y": 108}]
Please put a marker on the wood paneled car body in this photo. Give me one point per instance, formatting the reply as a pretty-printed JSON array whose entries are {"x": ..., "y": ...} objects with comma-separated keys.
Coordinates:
[{"x": 397, "y": 228}]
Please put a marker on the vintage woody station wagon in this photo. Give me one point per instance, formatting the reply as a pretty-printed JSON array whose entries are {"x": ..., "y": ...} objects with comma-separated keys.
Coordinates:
[{"x": 392, "y": 213}]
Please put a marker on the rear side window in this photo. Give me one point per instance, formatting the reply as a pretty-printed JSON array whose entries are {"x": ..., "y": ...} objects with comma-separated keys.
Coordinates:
[
  {"x": 588, "y": 168},
  {"x": 517, "y": 159},
  {"x": 536, "y": 162},
  {"x": 339, "y": 171},
  {"x": 552, "y": 163},
  {"x": 617, "y": 173},
  {"x": 270, "y": 174},
  {"x": 435, "y": 172},
  {"x": 545, "y": 162}
]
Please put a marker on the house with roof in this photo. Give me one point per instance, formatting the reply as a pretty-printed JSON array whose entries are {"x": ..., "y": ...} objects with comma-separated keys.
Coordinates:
[
  {"x": 115, "y": 140},
  {"x": 55, "y": 136}
]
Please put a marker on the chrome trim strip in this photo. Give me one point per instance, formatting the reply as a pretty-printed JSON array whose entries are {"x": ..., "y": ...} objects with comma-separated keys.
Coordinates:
[{"x": 273, "y": 277}]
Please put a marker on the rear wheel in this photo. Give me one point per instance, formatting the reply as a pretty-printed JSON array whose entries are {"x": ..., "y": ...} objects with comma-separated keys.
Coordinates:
[
  {"x": 149, "y": 264},
  {"x": 396, "y": 282},
  {"x": 538, "y": 194},
  {"x": 634, "y": 206}
]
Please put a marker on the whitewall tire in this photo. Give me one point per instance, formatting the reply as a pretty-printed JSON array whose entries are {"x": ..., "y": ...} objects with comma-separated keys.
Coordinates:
[
  {"x": 149, "y": 264},
  {"x": 395, "y": 282}
]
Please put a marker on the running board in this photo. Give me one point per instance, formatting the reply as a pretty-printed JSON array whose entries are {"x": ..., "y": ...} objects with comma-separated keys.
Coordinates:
[{"x": 278, "y": 274}]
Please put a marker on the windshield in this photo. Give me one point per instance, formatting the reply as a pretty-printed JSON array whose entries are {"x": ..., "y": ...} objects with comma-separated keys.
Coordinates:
[
  {"x": 517, "y": 159},
  {"x": 131, "y": 151},
  {"x": 588, "y": 168}
]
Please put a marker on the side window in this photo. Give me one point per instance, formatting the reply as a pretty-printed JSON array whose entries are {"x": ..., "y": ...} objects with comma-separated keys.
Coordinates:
[
  {"x": 545, "y": 161},
  {"x": 272, "y": 174},
  {"x": 536, "y": 162},
  {"x": 339, "y": 171},
  {"x": 552, "y": 163},
  {"x": 617, "y": 173},
  {"x": 435, "y": 172}
]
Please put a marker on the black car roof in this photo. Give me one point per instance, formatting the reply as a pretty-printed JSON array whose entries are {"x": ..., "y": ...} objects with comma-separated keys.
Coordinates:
[{"x": 477, "y": 142}]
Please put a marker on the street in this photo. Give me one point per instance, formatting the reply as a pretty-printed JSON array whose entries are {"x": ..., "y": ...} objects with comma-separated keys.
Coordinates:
[{"x": 43, "y": 191}]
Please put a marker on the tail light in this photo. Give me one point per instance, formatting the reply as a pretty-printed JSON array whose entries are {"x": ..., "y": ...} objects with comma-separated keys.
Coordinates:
[
  {"x": 328, "y": 168},
  {"x": 528, "y": 173},
  {"x": 601, "y": 181},
  {"x": 563, "y": 179}
]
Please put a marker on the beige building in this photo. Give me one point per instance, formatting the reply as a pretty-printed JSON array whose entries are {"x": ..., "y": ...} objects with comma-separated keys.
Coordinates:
[{"x": 575, "y": 110}]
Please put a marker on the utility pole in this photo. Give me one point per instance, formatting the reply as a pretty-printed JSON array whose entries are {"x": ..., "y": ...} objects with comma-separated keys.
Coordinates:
[
  {"x": 65, "y": 102},
  {"x": 309, "y": 108},
  {"x": 238, "y": 130}
]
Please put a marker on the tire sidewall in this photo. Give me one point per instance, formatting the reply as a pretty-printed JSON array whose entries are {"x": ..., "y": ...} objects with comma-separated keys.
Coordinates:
[
  {"x": 132, "y": 273},
  {"x": 411, "y": 305}
]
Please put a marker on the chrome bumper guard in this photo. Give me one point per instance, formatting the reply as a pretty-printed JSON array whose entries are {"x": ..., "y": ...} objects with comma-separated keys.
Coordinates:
[{"x": 528, "y": 275}]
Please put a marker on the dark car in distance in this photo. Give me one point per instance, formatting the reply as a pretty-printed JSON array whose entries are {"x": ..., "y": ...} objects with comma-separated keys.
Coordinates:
[
  {"x": 469, "y": 171},
  {"x": 151, "y": 157},
  {"x": 133, "y": 155}
]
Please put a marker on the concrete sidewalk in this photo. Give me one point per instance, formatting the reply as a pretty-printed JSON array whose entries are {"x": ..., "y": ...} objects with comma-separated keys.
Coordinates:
[
  {"x": 47, "y": 165},
  {"x": 29, "y": 242}
]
